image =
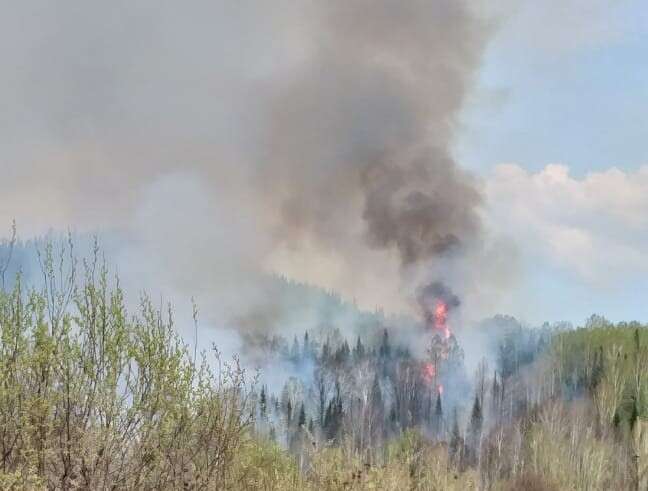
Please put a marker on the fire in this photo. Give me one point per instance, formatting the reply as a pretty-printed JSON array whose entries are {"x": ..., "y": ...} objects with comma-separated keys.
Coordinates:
[
  {"x": 429, "y": 372},
  {"x": 437, "y": 301},
  {"x": 441, "y": 318},
  {"x": 440, "y": 313}
]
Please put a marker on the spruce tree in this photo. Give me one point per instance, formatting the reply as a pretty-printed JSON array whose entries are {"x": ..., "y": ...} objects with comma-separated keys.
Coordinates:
[
  {"x": 294, "y": 351},
  {"x": 456, "y": 446},
  {"x": 376, "y": 395},
  {"x": 263, "y": 404},
  {"x": 475, "y": 429},
  {"x": 306, "y": 349},
  {"x": 358, "y": 351},
  {"x": 385, "y": 349},
  {"x": 326, "y": 352},
  {"x": 302, "y": 417},
  {"x": 438, "y": 416}
]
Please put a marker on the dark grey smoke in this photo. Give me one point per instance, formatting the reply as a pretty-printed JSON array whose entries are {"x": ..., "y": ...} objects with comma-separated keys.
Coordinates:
[
  {"x": 214, "y": 134},
  {"x": 365, "y": 126},
  {"x": 428, "y": 296},
  {"x": 424, "y": 208},
  {"x": 358, "y": 140}
]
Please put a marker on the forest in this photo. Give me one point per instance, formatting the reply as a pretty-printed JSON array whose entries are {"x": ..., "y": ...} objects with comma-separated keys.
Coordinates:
[
  {"x": 97, "y": 396},
  {"x": 324, "y": 245}
]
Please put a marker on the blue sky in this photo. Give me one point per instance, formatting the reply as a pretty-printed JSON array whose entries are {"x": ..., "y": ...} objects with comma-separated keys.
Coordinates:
[
  {"x": 567, "y": 84},
  {"x": 581, "y": 104}
]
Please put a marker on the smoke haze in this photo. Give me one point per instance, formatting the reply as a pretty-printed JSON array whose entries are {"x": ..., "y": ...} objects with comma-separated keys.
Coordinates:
[{"x": 222, "y": 141}]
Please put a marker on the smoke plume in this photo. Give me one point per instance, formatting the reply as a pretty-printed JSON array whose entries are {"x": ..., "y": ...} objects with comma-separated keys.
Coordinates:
[
  {"x": 359, "y": 137},
  {"x": 310, "y": 139}
]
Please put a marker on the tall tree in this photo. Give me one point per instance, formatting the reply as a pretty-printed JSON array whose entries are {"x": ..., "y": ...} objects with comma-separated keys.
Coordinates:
[
  {"x": 385, "y": 348},
  {"x": 438, "y": 416},
  {"x": 358, "y": 350},
  {"x": 294, "y": 351},
  {"x": 306, "y": 349},
  {"x": 456, "y": 446},
  {"x": 263, "y": 403},
  {"x": 475, "y": 430},
  {"x": 301, "y": 421}
]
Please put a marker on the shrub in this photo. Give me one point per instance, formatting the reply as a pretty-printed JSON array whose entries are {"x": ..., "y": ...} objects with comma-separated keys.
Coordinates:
[{"x": 93, "y": 397}]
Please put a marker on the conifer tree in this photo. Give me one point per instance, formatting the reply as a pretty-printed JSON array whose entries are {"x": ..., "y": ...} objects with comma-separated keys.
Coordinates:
[
  {"x": 263, "y": 402},
  {"x": 475, "y": 429},
  {"x": 456, "y": 446},
  {"x": 358, "y": 351},
  {"x": 376, "y": 395},
  {"x": 306, "y": 349},
  {"x": 385, "y": 348},
  {"x": 294, "y": 351},
  {"x": 438, "y": 416},
  {"x": 302, "y": 416}
]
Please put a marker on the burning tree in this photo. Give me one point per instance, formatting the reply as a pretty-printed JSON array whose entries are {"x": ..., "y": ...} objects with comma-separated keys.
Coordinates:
[{"x": 445, "y": 355}]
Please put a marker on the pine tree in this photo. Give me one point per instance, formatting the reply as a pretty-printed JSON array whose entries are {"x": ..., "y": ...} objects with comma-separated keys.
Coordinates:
[
  {"x": 286, "y": 404},
  {"x": 496, "y": 398},
  {"x": 329, "y": 421},
  {"x": 476, "y": 417},
  {"x": 438, "y": 416},
  {"x": 358, "y": 351},
  {"x": 456, "y": 447},
  {"x": 475, "y": 429},
  {"x": 288, "y": 412},
  {"x": 326, "y": 352},
  {"x": 342, "y": 354},
  {"x": 306, "y": 349},
  {"x": 263, "y": 404},
  {"x": 334, "y": 415},
  {"x": 294, "y": 351},
  {"x": 598, "y": 369},
  {"x": 276, "y": 405},
  {"x": 376, "y": 395},
  {"x": 321, "y": 386},
  {"x": 385, "y": 349},
  {"x": 302, "y": 417}
]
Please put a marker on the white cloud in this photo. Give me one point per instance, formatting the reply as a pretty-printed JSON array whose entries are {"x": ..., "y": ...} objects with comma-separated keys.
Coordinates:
[{"x": 595, "y": 226}]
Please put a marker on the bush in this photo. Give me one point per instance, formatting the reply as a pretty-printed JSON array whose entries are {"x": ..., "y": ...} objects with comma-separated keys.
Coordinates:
[{"x": 93, "y": 397}]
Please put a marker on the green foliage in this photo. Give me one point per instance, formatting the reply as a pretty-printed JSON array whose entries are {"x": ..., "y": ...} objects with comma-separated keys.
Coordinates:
[
  {"x": 93, "y": 397},
  {"x": 608, "y": 361}
]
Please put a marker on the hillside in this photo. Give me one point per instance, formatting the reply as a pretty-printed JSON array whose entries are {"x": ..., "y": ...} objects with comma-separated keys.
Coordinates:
[{"x": 94, "y": 394}]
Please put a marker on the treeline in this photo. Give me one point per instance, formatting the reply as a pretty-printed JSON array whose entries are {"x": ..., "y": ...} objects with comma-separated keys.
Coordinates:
[
  {"x": 368, "y": 392},
  {"x": 93, "y": 396},
  {"x": 559, "y": 408},
  {"x": 373, "y": 390}
]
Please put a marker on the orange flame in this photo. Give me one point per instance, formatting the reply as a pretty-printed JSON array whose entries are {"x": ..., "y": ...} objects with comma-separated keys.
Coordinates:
[
  {"x": 429, "y": 372},
  {"x": 441, "y": 318}
]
